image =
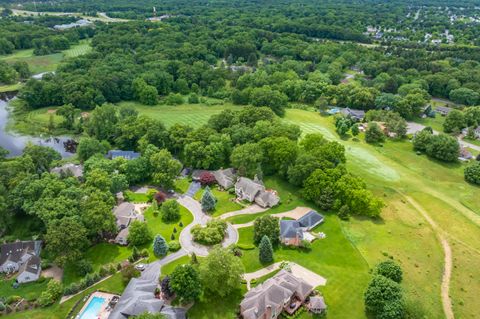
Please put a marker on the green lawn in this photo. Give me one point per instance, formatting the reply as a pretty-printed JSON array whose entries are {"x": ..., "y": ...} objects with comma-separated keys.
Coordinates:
[
  {"x": 135, "y": 197},
  {"x": 262, "y": 279},
  {"x": 10, "y": 87},
  {"x": 98, "y": 255},
  {"x": 225, "y": 201},
  {"x": 181, "y": 185},
  {"x": 46, "y": 63},
  {"x": 194, "y": 115},
  {"x": 29, "y": 291},
  {"x": 170, "y": 267},
  {"x": 157, "y": 226},
  {"x": 402, "y": 233}
]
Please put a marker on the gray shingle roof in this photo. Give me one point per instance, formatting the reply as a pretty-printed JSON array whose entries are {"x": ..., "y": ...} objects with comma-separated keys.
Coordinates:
[
  {"x": 74, "y": 170},
  {"x": 317, "y": 303},
  {"x": 249, "y": 187},
  {"x": 290, "y": 229},
  {"x": 311, "y": 219},
  {"x": 16, "y": 250}
]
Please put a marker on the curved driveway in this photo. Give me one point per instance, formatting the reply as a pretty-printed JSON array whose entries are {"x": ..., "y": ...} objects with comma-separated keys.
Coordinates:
[{"x": 199, "y": 218}]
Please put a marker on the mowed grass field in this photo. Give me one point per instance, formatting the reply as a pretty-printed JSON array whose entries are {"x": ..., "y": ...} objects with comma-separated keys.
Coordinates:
[
  {"x": 194, "y": 115},
  {"x": 392, "y": 171},
  {"x": 46, "y": 63}
]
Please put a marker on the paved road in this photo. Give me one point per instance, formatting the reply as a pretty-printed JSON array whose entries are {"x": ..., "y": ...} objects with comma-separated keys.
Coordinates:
[
  {"x": 199, "y": 218},
  {"x": 413, "y": 128}
]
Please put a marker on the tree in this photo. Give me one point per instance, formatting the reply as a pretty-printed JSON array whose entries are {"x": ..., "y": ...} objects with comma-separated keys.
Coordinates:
[
  {"x": 102, "y": 123},
  {"x": 160, "y": 246},
  {"x": 159, "y": 197},
  {"x": 164, "y": 168},
  {"x": 53, "y": 292},
  {"x": 355, "y": 130},
  {"x": 128, "y": 272},
  {"x": 464, "y": 96},
  {"x": 88, "y": 146},
  {"x": 66, "y": 240},
  {"x": 274, "y": 99},
  {"x": 211, "y": 234},
  {"x": 374, "y": 133},
  {"x": 266, "y": 225},
  {"x": 382, "y": 296},
  {"x": 247, "y": 158},
  {"x": 221, "y": 272},
  {"x": 265, "y": 251},
  {"x": 42, "y": 156},
  {"x": 138, "y": 233},
  {"x": 68, "y": 113},
  {"x": 472, "y": 173},
  {"x": 443, "y": 147},
  {"x": 422, "y": 139},
  {"x": 454, "y": 122},
  {"x": 389, "y": 269},
  {"x": 207, "y": 178},
  {"x": 208, "y": 200},
  {"x": 165, "y": 287},
  {"x": 170, "y": 211},
  {"x": 185, "y": 282}
]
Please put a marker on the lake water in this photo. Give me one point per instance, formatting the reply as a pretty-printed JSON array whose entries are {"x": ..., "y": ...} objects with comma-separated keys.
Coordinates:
[{"x": 15, "y": 143}]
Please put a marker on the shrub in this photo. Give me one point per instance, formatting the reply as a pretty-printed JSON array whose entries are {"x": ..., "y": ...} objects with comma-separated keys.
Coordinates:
[
  {"x": 193, "y": 99},
  {"x": 174, "y": 99},
  {"x": 51, "y": 294},
  {"x": 174, "y": 245},
  {"x": 207, "y": 178},
  {"x": 160, "y": 197},
  {"x": 246, "y": 246},
  {"x": 170, "y": 211},
  {"x": 151, "y": 194},
  {"x": 12, "y": 299},
  {"x": 472, "y": 173},
  {"x": 139, "y": 233},
  {"x": 83, "y": 267},
  {"x": 213, "y": 233},
  {"x": 2, "y": 306},
  {"x": 374, "y": 133},
  {"x": 128, "y": 272},
  {"x": 389, "y": 269}
]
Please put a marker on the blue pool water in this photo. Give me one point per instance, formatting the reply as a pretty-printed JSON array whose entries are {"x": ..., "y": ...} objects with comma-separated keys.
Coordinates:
[{"x": 93, "y": 308}]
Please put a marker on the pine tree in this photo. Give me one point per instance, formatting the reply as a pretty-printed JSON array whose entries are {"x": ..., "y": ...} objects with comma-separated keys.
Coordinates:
[
  {"x": 265, "y": 250},
  {"x": 208, "y": 200},
  {"x": 160, "y": 246}
]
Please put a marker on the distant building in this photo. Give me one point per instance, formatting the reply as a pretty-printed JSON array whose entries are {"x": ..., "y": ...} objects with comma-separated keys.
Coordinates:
[
  {"x": 80, "y": 23},
  {"x": 476, "y": 132},
  {"x": 443, "y": 110},
  {"x": 68, "y": 170},
  {"x": 254, "y": 191},
  {"x": 317, "y": 305},
  {"x": 357, "y": 115},
  {"x": 22, "y": 257},
  {"x": 465, "y": 154},
  {"x": 128, "y": 155},
  {"x": 282, "y": 292}
]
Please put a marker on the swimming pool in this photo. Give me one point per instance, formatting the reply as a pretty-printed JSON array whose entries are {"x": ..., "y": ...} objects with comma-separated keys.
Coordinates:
[{"x": 93, "y": 308}]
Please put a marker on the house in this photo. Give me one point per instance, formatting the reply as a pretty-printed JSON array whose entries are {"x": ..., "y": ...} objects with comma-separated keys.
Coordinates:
[
  {"x": 22, "y": 257},
  {"x": 292, "y": 232},
  {"x": 443, "y": 110},
  {"x": 225, "y": 177},
  {"x": 310, "y": 220},
  {"x": 197, "y": 174},
  {"x": 464, "y": 154},
  {"x": 68, "y": 170},
  {"x": 357, "y": 115},
  {"x": 128, "y": 155},
  {"x": 80, "y": 23},
  {"x": 125, "y": 214},
  {"x": 317, "y": 305},
  {"x": 254, "y": 191},
  {"x": 139, "y": 297},
  {"x": 476, "y": 132},
  {"x": 282, "y": 292}
]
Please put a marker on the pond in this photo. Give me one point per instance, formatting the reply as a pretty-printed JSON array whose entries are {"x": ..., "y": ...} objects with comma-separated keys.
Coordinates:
[{"x": 15, "y": 143}]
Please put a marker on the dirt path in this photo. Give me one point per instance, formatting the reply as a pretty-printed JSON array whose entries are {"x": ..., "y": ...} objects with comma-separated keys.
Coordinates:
[{"x": 447, "y": 271}]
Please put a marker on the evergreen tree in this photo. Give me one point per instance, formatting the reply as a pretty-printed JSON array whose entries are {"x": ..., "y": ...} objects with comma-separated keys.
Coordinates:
[
  {"x": 265, "y": 250},
  {"x": 160, "y": 246},
  {"x": 208, "y": 200}
]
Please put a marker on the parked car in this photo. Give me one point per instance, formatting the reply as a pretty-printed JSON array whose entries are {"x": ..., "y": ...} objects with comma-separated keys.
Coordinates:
[{"x": 140, "y": 267}]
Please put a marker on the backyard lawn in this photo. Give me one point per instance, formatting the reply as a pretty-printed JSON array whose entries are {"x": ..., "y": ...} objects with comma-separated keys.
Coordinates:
[
  {"x": 225, "y": 201},
  {"x": 28, "y": 291}
]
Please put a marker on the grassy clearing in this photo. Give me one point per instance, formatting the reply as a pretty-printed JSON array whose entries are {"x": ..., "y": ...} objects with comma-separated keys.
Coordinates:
[
  {"x": 98, "y": 255},
  {"x": 225, "y": 201},
  {"x": 181, "y": 185},
  {"x": 135, "y": 197},
  {"x": 194, "y": 115},
  {"x": 29, "y": 291},
  {"x": 79, "y": 49},
  {"x": 170, "y": 267},
  {"x": 10, "y": 87}
]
